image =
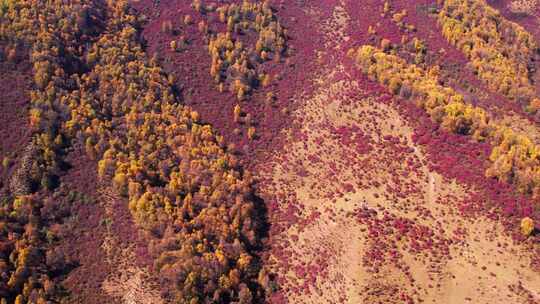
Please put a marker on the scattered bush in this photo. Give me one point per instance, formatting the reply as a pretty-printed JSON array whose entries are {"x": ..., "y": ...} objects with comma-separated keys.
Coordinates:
[
  {"x": 188, "y": 19},
  {"x": 251, "y": 133},
  {"x": 166, "y": 27},
  {"x": 5, "y": 163},
  {"x": 236, "y": 112}
]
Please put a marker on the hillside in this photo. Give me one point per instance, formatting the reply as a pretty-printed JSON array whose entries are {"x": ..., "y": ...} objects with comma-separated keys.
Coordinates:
[{"x": 181, "y": 151}]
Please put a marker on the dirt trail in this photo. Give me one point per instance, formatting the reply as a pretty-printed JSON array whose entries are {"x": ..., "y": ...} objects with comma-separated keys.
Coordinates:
[{"x": 343, "y": 175}]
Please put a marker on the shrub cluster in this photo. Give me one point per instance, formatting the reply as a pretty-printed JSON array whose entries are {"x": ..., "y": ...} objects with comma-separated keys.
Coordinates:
[
  {"x": 500, "y": 51},
  {"x": 527, "y": 226},
  {"x": 234, "y": 62},
  {"x": 515, "y": 158},
  {"x": 95, "y": 85}
]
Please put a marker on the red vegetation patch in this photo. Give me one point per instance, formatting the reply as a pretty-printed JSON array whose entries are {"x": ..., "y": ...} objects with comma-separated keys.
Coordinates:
[
  {"x": 390, "y": 235},
  {"x": 353, "y": 136}
]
